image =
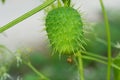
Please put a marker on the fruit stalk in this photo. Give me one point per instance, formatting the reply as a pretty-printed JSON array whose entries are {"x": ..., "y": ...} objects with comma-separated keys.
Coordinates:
[{"x": 80, "y": 66}]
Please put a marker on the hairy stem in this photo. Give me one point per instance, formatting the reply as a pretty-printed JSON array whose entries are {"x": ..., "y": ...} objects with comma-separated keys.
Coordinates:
[
  {"x": 80, "y": 65},
  {"x": 36, "y": 71},
  {"x": 26, "y": 15},
  {"x": 108, "y": 39}
]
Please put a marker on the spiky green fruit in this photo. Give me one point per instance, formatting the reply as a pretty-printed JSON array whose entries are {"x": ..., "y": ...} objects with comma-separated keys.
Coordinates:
[{"x": 65, "y": 30}]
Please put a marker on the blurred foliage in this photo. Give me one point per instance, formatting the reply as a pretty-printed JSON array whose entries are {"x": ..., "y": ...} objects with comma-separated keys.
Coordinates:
[
  {"x": 6, "y": 59},
  {"x": 97, "y": 72},
  {"x": 3, "y": 1},
  {"x": 97, "y": 43},
  {"x": 30, "y": 76},
  {"x": 57, "y": 69},
  {"x": 51, "y": 66},
  {"x": 99, "y": 32}
]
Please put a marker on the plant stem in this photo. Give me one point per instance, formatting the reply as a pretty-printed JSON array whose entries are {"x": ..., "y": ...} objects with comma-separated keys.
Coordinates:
[
  {"x": 108, "y": 39},
  {"x": 26, "y": 15},
  {"x": 95, "y": 59},
  {"x": 98, "y": 58},
  {"x": 101, "y": 61},
  {"x": 36, "y": 71},
  {"x": 94, "y": 55},
  {"x": 80, "y": 65}
]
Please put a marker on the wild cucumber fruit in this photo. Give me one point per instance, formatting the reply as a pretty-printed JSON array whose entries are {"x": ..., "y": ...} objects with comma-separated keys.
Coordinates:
[{"x": 65, "y": 30}]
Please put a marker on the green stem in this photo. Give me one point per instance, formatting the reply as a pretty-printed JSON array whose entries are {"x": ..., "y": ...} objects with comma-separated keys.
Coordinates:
[
  {"x": 80, "y": 65},
  {"x": 25, "y": 16},
  {"x": 108, "y": 39},
  {"x": 94, "y": 55},
  {"x": 101, "y": 61},
  {"x": 36, "y": 71},
  {"x": 95, "y": 59}
]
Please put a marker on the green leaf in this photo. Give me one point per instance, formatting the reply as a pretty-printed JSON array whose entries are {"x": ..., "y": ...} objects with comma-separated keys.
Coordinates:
[{"x": 116, "y": 71}]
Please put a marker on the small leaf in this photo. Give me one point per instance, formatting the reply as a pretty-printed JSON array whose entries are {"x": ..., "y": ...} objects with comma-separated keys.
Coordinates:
[
  {"x": 3, "y": 73},
  {"x": 117, "y": 45},
  {"x": 18, "y": 58},
  {"x": 6, "y": 56}
]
